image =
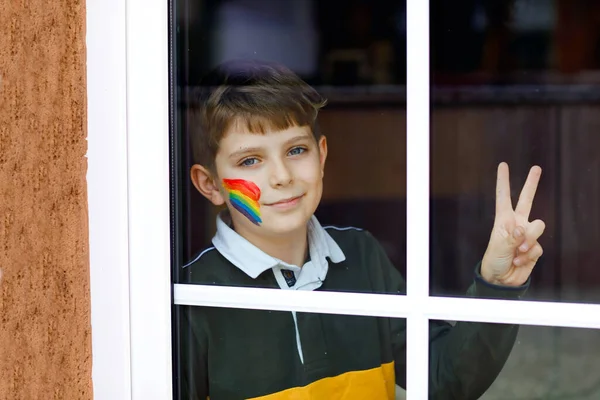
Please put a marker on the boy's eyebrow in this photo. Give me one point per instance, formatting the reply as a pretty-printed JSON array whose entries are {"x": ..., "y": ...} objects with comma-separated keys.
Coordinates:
[
  {"x": 297, "y": 138},
  {"x": 243, "y": 151}
]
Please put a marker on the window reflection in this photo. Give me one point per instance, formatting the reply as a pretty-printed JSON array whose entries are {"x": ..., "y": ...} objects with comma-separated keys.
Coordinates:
[
  {"x": 357, "y": 42},
  {"x": 515, "y": 81},
  {"x": 355, "y": 55},
  {"x": 260, "y": 354},
  {"x": 549, "y": 363}
]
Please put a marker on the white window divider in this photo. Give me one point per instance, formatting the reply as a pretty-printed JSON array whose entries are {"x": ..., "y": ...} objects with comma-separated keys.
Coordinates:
[
  {"x": 572, "y": 315},
  {"x": 293, "y": 300},
  {"x": 417, "y": 196},
  {"x": 148, "y": 198},
  {"x": 107, "y": 198}
]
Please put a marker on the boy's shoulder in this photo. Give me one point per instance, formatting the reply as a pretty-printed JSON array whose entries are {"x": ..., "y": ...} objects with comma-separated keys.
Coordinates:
[
  {"x": 210, "y": 266},
  {"x": 360, "y": 246},
  {"x": 344, "y": 235},
  {"x": 350, "y": 237},
  {"x": 207, "y": 254}
]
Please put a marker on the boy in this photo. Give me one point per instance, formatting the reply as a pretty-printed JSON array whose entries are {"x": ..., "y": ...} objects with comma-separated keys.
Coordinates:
[{"x": 258, "y": 150}]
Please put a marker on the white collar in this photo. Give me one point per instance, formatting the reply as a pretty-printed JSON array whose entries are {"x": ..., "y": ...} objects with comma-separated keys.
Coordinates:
[{"x": 253, "y": 261}]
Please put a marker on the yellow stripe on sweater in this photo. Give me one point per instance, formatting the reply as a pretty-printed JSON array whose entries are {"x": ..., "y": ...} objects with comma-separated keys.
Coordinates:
[{"x": 376, "y": 383}]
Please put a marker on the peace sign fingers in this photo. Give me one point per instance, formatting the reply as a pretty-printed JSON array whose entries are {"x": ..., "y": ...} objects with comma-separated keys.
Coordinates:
[
  {"x": 528, "y": 193},
  {"x": 503, "y": 201},
  {"x": 512, "y": 234}
]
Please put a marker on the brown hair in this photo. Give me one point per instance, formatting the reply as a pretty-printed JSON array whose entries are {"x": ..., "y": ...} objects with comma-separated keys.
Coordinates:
[{"x": 257, "y": 95}]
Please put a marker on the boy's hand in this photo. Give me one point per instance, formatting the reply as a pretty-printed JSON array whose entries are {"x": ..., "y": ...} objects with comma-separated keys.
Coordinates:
[{"x": 513, "y": 249}]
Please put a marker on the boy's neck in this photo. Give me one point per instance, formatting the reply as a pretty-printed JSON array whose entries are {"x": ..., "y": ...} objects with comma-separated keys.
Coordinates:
[
  {"x": 291, "y": 248},
  {"x": 291, "y": 251}
]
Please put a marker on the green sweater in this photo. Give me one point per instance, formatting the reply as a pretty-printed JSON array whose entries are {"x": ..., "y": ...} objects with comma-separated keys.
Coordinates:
[{"x": 248, "y": 354}]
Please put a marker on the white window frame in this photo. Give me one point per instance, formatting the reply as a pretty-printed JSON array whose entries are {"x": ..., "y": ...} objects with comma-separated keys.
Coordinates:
[{"x": 129, "y": 216}]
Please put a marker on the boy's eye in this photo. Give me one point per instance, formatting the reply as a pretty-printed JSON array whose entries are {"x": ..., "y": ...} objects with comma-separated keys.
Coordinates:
[
  {"x": 248, "y": 162},
  {"x": 296, "y": 151}
]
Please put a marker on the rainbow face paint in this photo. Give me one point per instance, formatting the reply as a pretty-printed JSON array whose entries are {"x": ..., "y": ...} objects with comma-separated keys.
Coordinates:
[{"x": 244, "y": 196}]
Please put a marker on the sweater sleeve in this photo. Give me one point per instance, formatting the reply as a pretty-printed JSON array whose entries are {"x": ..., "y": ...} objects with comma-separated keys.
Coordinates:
[{"x": 464, "y": 359}]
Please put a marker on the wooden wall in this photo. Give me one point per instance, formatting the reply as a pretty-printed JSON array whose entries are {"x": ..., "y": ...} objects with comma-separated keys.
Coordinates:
[{"x": 45, "y": 332}]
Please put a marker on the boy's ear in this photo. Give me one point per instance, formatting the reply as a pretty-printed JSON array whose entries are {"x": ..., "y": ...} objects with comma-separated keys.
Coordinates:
[
  {"x": 322, "y": 153},
  {"x": 205, "y": 182}
]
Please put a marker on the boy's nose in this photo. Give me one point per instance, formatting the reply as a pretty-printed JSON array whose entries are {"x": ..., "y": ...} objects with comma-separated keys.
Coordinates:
[{"x": 280, "y": 175}]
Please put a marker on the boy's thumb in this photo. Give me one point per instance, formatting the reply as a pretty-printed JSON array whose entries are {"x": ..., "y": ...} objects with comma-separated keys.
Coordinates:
[{"x": 518, "y": 235}]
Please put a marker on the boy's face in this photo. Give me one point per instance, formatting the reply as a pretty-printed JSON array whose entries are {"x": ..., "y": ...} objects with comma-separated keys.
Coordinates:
[{"x": 272, "y": 183}]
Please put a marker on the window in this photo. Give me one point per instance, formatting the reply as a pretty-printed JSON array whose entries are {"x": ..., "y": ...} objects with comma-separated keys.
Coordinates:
[
  {"x": 149, "y": 27},
  {"x": 511, "y": 82}
]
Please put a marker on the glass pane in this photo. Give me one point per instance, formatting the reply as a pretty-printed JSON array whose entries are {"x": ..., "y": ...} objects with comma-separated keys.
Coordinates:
[
  {"x": 545, "y": 363},
  {"x": 515, "y": 81},
  {"x": 353, "y": 54},
  {"x": 235, "y": 353}
]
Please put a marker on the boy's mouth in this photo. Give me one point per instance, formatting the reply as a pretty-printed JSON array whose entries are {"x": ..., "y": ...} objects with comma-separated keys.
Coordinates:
[{"x": 286, "y": 203}]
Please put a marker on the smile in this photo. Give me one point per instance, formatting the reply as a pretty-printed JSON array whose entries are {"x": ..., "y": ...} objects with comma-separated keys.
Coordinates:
[{"x": 286, "y": 203}]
